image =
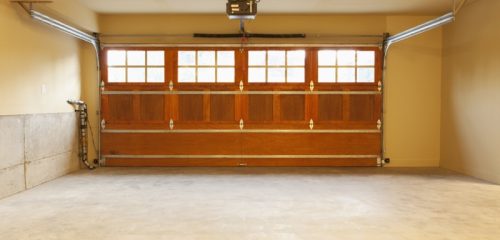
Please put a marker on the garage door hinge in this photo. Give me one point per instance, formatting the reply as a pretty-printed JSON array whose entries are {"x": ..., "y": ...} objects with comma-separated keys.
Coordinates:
[
  {"x": 242, "y": 124},
  {"x": 311, "y": 124},
  {"x": 103, "y": 124},
  {"x": 379, "y": 124},
  {"x": 241, "y": 86},
  {"x": 171, "y": 125},
  {"x": 171, "y": 85},
  {"x": 311, "y": 86}
]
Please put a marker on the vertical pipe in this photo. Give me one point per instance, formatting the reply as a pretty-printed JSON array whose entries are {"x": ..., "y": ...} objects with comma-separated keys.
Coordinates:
[{"x": 382, "y": 89}]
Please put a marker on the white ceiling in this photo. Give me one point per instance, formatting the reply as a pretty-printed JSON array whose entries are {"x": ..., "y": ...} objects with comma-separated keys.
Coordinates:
[{"x": 274, "y": 6}]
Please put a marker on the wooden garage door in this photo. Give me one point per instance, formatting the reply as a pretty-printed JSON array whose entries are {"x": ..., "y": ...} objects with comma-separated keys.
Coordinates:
[{"x": 232, "y": 107}]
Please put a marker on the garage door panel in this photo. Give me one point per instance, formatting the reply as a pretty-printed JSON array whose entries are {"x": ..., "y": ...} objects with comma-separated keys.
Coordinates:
[
  {"x": 255, "y": 120},
  {"x": 170, "y": 144},
  {"x": 310, "y": 144}
]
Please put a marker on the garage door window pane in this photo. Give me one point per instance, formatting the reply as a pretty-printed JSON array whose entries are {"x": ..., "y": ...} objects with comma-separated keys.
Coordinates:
[
  {"x": 326, "y": 75},
  {"x": 116, "y": 75},
  {"x": 186, "y": 58},
  {"x": 276, "y": 75},
  {"x": 366, "y": 75},
  {"x": 225, "y": 58},
  {"x": 225, "y": 75},
  {"x": 276, "y": 58},
  {"x": 187, "y": 75},
  {"x": 156, "y": 58},
  {"x": 257, "y": 75},
  {"x": 156, "y": 75},
  {"x": 327, "y": 58},
  {"x": 296, "y": 58},
  {"x": 116, "y": 58},
  {"x": 257, "y": 58},
  {"x": 206, "y": 58},
  {"x": 366, "y": 58},
  {"x": 136, "y": 75},
  {"x": 347, "y": 75},
  {"x": 346, "y": 58},
  {"x": 136, "y": 58},
  {"x": 295, "y": 75},
  {"x": 206, "y": 75}
]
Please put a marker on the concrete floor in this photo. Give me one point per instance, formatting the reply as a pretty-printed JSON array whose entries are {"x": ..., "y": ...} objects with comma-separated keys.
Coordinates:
[{"x": 255, "y": 203}]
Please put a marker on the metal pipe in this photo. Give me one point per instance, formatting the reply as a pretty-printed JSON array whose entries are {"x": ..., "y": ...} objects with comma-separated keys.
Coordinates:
[
  {"x": 64, "y": 27},
  {"x": 382, "y": 108},
  {"x": 447, "y": 18},
  {"x": 81, "y": 109}
]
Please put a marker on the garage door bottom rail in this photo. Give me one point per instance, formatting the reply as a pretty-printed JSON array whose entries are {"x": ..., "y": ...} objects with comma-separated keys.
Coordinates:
[{"x": 241, "y": 160}]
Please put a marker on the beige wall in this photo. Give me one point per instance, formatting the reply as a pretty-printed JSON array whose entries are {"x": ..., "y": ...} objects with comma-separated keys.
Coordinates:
[
  {"x": 413, "y": 77},
  {"x": 471, "y": 92},
  {"x": 39, "y": 66},
  {"x": 413, "y": 97}
]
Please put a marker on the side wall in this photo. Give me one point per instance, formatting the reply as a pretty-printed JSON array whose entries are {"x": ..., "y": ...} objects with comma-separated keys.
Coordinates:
[
  {"x": 471, "y": 87},
  {"x": 40, "y": 69}
]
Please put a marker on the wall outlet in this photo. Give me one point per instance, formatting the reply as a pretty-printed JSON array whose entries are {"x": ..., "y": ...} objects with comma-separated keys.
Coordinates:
[{"x": 43, "y": 89}]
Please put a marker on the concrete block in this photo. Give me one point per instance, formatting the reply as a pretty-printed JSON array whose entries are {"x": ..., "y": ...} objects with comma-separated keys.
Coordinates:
[
  {"x": 11, "y": 141},
  {"x": 48, "y": 135},
  {"x": 47, "y": 169},
  {"x": 11, "y": 181}
]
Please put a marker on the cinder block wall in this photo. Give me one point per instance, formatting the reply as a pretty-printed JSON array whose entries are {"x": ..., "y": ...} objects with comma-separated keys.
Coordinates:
[{"x": 35, "y": 149}]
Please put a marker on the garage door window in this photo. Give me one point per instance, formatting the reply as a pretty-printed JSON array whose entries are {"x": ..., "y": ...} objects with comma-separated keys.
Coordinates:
[
  {"x": 136, "y": 66},
  {"x": 346, "y": 66},
  {"x": 206, "y": 67},
  {"x": 276, "y": 66}
]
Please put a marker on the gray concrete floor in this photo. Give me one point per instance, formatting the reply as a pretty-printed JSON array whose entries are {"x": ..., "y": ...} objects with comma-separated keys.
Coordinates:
[{"x": 255, "y": 203}]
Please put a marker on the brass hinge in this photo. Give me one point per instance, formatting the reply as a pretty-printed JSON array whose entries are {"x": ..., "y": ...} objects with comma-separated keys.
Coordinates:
[
  {"x": 103, "y": 124},
  {"x": 171, "y": 86},
  {"x": 311, "y": 124},
  {"x": 102, "y": 86},
  {"x": 379, "y": 124},
  {"x": 379, "y": 86},
  {"x": 241, "y": 86},
  {"x": 311, "y": 86},
  {"x": 171, "y": 125},
  {"x": 242, "y": 124}
]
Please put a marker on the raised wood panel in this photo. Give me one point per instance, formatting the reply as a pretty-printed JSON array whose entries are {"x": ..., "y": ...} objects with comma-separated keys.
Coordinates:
[
  {"x": 190, "y": 107},
  {"x": 310, "y": 144},
  {"x": 171, "y": 144},
  {"x": 362, "y": 107},
  {"x": 152, "y": 107},
  {"x": 222, "y": 108},
  {"x": 330, "y": 107},
  {"x": 121, "y": 108},
  {"x": 292, "y": 107},
  {"x": 260, "y": 107}
]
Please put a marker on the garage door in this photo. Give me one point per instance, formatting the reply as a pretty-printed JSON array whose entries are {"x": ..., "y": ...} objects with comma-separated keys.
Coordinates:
[{"x": 232, "y": 107}]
